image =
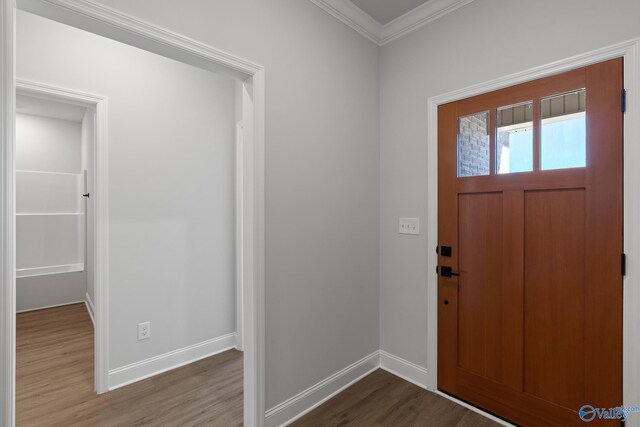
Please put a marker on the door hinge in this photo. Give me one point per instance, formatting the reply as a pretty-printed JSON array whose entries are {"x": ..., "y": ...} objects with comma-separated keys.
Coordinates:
[
  {"x": 624, "y": 101},
  {"x": 623, "y": 264}
]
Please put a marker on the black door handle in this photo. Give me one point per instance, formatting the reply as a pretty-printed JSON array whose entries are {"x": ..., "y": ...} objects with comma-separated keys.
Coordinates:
[
  {"x": 85, "y": 195},
  {"x": 447, "y": 272}
]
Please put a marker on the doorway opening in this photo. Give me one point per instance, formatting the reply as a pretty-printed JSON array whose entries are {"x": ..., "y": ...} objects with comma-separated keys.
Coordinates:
[
  {"x": 109, "y": 372},
  {"x": 55, "y": 234}
]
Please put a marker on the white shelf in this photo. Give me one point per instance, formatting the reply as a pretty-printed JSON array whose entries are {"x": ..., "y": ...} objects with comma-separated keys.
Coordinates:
[
  {"x": 49, "y": 213},
  {"x": 45, "y": 271},
  {"x": 50, "y": 173}
]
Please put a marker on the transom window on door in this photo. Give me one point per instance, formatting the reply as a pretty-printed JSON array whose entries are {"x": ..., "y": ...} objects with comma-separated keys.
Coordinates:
[
  {"x": 514, "y": 142},
  {"x": 538, "y": 135}
]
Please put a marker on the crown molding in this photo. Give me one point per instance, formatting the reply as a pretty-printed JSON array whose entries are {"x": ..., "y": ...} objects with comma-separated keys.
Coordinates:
[
  {"x": 418, "y": 17},
  {"x": 353, "y": 16},
  {"x": 356, "y": 18}
]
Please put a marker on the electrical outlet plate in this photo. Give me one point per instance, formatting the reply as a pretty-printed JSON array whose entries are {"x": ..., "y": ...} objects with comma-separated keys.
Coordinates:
[
  {"x": 409, "y": 226},
  {"x": 144, "y": 331}
]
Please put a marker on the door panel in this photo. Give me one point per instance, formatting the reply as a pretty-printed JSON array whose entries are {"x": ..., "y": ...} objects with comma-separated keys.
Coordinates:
[
  {"x": 554, "y": 296},
  {"x": 480, "y": 339},
  {"x": 530, "y": 323}
]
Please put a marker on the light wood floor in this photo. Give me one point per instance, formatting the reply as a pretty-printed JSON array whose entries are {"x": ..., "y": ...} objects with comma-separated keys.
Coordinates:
[
  {"x": 384, "y": 400},
  {"x": 55, "y": 381}
]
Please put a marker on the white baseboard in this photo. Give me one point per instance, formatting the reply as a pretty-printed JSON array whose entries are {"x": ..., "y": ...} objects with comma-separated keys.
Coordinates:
[
  {"x": 418, "y": 375},
  {"x": 474, "y": 409},
  {"x": 134, "y": 372},
  {"x": 299, "y": 405},
  {"x": 91, "y": 309},
  {"x": 49, "y": 306},
  {"x": 295, "y": 407},
  {"x": 404, "y": 369}
]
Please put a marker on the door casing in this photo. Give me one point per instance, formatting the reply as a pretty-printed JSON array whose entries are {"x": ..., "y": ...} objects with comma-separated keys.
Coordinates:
[
  {"x": 630, "y": 52},
  {"x": 102, "y": 20},
  {"x": 98, "y": 105}
]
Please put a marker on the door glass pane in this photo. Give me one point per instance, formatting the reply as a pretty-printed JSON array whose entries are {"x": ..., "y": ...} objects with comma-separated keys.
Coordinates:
[
  {"x": 564, "y": 131},
  {"x": 473, "y": 145},
  {"x": 514, "y": 142}
]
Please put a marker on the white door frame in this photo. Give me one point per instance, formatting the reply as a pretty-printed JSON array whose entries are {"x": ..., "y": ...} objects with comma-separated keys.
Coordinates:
[
  {"x": 630, "y": 51},
  {"x": 98, "y": 104},
  {"x": 107, "y": 22},
  {"x": 239, "y": 214}
]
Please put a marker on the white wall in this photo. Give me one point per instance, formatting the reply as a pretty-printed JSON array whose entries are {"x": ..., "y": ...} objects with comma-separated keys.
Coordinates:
[
  {"x": 322, "y": 171},
  {"x": 171, "y": 163},
  {"x": 481, "y": 41},
  {"x": 47, "y": 144},
  {"x": 36, "y": 292},
  {"x": 48, "y": 223}
]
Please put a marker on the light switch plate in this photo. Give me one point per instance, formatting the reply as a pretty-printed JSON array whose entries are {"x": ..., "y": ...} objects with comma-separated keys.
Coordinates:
[{"x": 409, "y": 226}]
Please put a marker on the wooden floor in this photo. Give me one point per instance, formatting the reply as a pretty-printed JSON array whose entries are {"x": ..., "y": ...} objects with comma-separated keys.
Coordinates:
[
  {"x": 384, "y": 400},
  {"x": 55, "y": 381},
  {"x": 55, "y": 388}
]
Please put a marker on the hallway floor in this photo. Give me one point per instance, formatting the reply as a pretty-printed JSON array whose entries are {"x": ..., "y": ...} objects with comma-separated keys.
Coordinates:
[
  {"x": 384, "y": 400},
  {"x": 55, "y": 381},
  {"x": 55, "y": 388}
]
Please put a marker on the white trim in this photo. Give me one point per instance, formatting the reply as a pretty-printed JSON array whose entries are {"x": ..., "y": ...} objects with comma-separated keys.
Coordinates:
[
  {"x": 90, "y": 308},
  {"x": 7, "y": 214},
  {"x": 111, "y": 23},
  {"x": 46, "y": 172},
  {"x": 356, "y": 18},
  {"x": 292, "y": 409},
  {"x": 101, "y": 246},
  {"x": 50, "y": 214},
  {"x": 98, "y": 104},
  {"x": 352, "y": 16},
  {"x": 631, "y": 320},
  {"x": 139, "y": 371},
  {"x": 46, "y": 307},
  {"x": 419, "y": 17},
  {"x": 239, "y": 215},
  {"x": 299, "y": 405},
  {"x": 404, "y": 369},
  {"x": 48, "y": 270},
  {"x": 254, "y": 249},
  {"x": 474, "y": 409},
  {"x": 102, "y": 20},
  {"x": 418, "y": 375},
  {"x": 630, "y": 50}
]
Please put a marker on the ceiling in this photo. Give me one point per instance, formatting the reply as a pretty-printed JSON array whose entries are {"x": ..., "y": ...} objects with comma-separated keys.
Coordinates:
[
  {"x": 385, "y": 11},
  {"x": 51, "y": 109},
  {"x": 383, "y": 21}
]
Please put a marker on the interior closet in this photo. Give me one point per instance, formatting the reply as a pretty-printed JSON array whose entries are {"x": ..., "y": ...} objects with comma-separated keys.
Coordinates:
[{"x": 54, "y": 208}]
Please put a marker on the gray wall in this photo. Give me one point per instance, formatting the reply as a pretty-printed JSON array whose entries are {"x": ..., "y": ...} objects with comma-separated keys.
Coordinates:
[
  {"x": 322, "y": 177},
  {"x": 171, "y": 192},
  {"x": 484, "y": 40}
]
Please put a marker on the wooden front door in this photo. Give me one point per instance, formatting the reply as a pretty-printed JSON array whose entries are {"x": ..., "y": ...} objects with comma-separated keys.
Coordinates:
[{"x": 530, "y": 246}]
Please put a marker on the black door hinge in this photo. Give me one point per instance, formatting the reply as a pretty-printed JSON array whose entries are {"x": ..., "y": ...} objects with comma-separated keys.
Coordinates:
[
  {"x": 624, "y": 101},
  {"x": 623, "y": 264}
]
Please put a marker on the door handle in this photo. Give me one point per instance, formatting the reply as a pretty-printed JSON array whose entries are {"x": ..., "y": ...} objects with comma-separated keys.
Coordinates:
[
  {"x": 86, "y": 195},
  {"x": 446, "y": 271}
]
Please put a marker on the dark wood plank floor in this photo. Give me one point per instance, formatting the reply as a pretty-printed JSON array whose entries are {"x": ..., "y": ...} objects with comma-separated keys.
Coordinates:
[
  {"x": 55, "y": 381},
  {"x": 384, "y": 400}
]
